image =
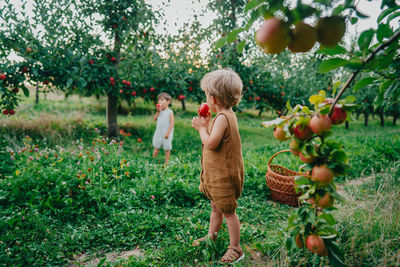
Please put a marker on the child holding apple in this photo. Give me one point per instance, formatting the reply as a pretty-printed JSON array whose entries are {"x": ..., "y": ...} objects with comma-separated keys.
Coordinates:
[
  {"x": 222, "y": 174},
  {"x": 165, "y": 126}
]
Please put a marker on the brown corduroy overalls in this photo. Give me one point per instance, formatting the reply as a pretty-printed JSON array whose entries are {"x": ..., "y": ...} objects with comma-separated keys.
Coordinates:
[{"x": 222, "y": 175}]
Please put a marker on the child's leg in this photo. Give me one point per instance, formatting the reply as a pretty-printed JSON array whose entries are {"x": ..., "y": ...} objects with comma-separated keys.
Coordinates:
[
  {"x": 216, "y": 219},
  {"x": 233, "y": 223},
  {"x": 167, "y": 155},
  {"x": 155, "y": 152}
]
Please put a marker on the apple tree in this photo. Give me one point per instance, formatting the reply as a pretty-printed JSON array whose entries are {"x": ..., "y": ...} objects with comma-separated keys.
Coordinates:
[
  {"x": 310, "y": 129},
  {"x": 78, "y": 47}
]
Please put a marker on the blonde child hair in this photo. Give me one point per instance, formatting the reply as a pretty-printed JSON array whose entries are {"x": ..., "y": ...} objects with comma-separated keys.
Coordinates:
[{"x": 225, "y": 85}]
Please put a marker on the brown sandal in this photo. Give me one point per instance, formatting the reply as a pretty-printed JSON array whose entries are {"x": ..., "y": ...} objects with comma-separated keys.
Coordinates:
[{"x": 232, "y": 256}]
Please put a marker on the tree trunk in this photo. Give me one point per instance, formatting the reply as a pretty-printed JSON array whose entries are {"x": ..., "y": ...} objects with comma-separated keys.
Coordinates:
[
  {"x": 260, "y": 112},
  {"x": 347, "y": 124},
  {"x": 37, "y": 94},
  {"x": 382, "y": 117},
  {"x": 183, "y": 105},
  {"x": 394, "y": 119},
  {"x": 365, "y": 119},
  {"x": 358, "y": 115},
  {"x": 112, "y": 101}
]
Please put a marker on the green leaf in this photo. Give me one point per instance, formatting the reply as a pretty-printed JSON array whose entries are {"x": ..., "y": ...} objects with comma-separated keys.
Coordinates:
[
  {"x": 361, "y": 15},
  {"x": 306, "y": 110},
  {"x": 363, "y": 82},
  {"x": 385, "y": 84},
  {"x": 316, "y": 99},
  {"x": 69, "y": 82},
  {"x": 365, "y": 39},
  {"x": 394, "y": 15},
  {"x": 335, "y": 260},
  {"x": 354, "y": 63},
  {"x": 384, "y": 31},
  {"x": 329, "y": 218},
  {"x": 252, "y": 4},
  {"x": 332, "y": 51},
  {"x": 391, "y": 89},
  {"x": 233, "y": 35},
  {"x": 336, "y": 86},
  {"x": 384, "y": 13},
  {"x": 240, "y": 47},
  {"x": 302, "y": 180},
  {"x": 26, "y": 91},
  {"x": 339, "y": 9},
  {"x": 337, "y": 196},
  {"x": 350, "y": 99},
  {"x": 290, "y": 244},
  {"x": 353, "y": 20},
  {"x": 339, "y": 156},
  {"x": 221, "y": 42},
  {"x": 255, "y": 14},
  {"x": 331, "y": 64}
]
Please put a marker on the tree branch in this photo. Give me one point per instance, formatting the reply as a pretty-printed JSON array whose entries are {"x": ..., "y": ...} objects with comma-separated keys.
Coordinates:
[{"x": 369, "y": 58}]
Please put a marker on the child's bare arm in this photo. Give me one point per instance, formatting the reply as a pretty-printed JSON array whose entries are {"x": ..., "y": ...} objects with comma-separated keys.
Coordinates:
[
  {"x": 156, "y": 115},
  {"x": 212, "y": 140},
  {"x": 171, "y": 125}
]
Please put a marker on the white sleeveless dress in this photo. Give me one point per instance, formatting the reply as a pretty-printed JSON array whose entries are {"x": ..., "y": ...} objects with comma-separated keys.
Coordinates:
[{"x": 161, "y": 129}]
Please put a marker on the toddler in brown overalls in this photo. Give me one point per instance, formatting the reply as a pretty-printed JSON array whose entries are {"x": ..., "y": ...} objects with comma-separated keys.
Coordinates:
[{"x": 222, "y": 174}]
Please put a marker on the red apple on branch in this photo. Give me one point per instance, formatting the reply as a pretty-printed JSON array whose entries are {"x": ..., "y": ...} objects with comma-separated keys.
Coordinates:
[
  {"x": 2, "y": 76},
  {"x": 338, "y": 115},
  {"x": 324, "y": 201},
  {"x": 322, "y": 174},
  {"x": 316, "y": 245},
  {"x": 305, "y": 159},
  {"x": 303, "y": 132},
  {"x": 273, "y": 36},
  {"x": 280, "y": 134},
  {"x": 303, "y": 38},
  {"x": 320, "y": 124}
]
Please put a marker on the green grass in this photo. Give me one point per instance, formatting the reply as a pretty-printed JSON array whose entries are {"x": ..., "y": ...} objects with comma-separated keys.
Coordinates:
[{"x": 47, "y": 218}]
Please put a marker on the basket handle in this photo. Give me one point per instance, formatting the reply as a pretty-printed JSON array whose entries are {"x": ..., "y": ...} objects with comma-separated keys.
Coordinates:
[{"x": 276, "y": 154}]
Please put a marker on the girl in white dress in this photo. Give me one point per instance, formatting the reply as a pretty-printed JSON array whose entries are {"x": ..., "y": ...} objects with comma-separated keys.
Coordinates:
[{"x": 165, "y": 126}]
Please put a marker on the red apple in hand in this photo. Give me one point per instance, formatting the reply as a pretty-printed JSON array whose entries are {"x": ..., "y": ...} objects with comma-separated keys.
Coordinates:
[
  {"x": 203, "y": 110},
  {"x": 158, "y": 106}
]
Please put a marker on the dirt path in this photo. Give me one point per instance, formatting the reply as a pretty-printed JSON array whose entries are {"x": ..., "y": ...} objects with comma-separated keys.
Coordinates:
[{"x": 85, "y": 260}]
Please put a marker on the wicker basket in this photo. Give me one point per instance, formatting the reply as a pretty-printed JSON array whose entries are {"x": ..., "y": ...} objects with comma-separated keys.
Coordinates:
[{"x": 281, "y": 183}]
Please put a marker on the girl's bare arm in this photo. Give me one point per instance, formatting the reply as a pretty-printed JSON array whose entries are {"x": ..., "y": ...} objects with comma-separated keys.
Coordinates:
[
  {"x": 171, "y": 125},
  {"x": 156, "y": 115}
]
